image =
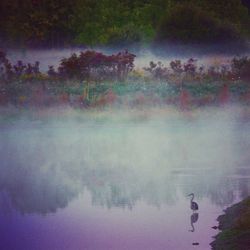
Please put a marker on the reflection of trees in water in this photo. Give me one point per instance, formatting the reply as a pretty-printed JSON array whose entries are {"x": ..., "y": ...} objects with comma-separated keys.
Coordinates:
[
  {"x": 125, "y": 190},
  {"x": 33, "y": 189},
  {"x": 122, "y": 187},
  {"x": 42, "y": 175}
]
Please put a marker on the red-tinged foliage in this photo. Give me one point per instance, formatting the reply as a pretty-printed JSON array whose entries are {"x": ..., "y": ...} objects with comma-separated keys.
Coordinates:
[
  {"x": 110, "y": 97},
  {"x": 96, "y": 66},
  {"x": 22, "y": 84},
  {"x": 64, "y": 98},
  {"x": 184, "y": 99},
  {"x": 224, "y": 95},
  {"x": 99, "y": 102}
]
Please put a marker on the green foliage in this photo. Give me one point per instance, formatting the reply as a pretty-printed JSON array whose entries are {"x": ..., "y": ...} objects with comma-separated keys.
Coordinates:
[
  {"x": 188, "y": 23},
  {"x": 35, "y": 22},
  {"x": 235, "y": 226},
  {"x": 231, "y": 11},
  {"x": 113, "y": 22}
]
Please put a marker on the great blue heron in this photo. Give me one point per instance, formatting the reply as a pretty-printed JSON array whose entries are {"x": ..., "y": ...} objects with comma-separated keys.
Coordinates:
[{"x": 193, "y": 205}]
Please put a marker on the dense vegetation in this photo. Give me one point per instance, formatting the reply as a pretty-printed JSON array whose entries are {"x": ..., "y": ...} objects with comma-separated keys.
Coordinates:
[
  {"x": 113, "y": 22},
  {"x": 93, "y": 79},
  {"x": 235, "y": 226}
]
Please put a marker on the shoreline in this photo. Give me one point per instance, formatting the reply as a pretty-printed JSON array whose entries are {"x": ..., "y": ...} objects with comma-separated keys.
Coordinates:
[{"x": 235, "y": 228}]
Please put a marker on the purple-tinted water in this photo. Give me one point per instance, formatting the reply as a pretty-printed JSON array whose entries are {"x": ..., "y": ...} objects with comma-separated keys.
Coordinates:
[
  {"x": 83, "y": 226},
  {"x": 108, "y": 185}
]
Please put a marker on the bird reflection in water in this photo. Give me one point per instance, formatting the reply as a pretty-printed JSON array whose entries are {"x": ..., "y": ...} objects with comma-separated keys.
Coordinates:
[{"x": 193, "y": 219}]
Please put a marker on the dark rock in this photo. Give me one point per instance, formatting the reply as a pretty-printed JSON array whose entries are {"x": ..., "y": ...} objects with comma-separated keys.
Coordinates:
[{"x": 195, "y": 243}]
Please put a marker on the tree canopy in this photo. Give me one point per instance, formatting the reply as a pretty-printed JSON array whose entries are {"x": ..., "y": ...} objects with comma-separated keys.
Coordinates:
[{"x": 117, "y": 22}]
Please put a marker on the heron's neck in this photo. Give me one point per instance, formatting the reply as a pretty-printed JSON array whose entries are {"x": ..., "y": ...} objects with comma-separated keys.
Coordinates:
[{"x": 192, "y": 198}]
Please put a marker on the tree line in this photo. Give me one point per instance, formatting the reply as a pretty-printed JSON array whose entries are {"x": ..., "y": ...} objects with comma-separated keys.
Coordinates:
[{"x": 120, "y": 22}]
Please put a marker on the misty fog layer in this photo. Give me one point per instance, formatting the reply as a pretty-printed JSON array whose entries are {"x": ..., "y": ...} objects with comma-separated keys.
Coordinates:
[
  {"x": 52, "y": 57},
  {"x": 122, "y": 157}
]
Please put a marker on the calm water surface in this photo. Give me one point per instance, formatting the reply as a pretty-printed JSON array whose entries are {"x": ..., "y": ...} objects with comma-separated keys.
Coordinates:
[{"x": 119, "y": 185}]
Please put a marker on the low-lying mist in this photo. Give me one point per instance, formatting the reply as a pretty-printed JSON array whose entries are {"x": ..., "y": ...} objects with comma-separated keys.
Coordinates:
[{"x": 119, "y": 155}]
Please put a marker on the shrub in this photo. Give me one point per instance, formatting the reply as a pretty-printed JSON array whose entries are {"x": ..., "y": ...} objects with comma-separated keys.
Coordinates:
[
  {"x": 190, "y": 66},
  {"x": 97, "y": 66},
  {"x": 176, "y": 66},
  {"x": 5, "y": 66},
  {"x": 19, "y": 70},
  {"x": 176, "y": 71},
  {"x": 157, "y": 70}
]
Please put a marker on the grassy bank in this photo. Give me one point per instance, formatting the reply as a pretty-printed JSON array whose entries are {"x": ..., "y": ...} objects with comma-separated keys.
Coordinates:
[{"x": 93, "y": 79}]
